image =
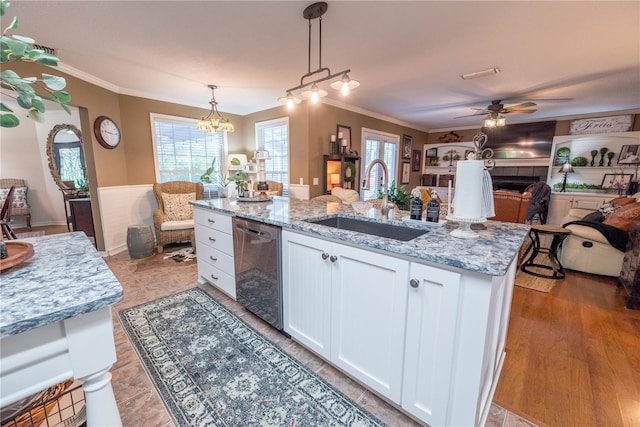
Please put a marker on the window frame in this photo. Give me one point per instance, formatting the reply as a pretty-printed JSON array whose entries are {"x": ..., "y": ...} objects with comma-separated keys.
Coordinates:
[{"x": 280, "y": 121}]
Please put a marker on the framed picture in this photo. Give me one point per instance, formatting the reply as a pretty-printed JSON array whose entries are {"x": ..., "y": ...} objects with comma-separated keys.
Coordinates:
[
  {"x": 406, "y": 173},
  {"x": 344, "y": 132},
  {"x": 406, "y": 146},
  {"x": 416, "y": 159},
  {"x": 430, "y": 157},
  {"x": 616, "y": 181},
  {"x": 629, "y": 154}
]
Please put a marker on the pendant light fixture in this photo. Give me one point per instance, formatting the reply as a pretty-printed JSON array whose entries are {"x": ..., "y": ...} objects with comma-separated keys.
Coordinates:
[
  {"x": 313, "y": 92},
  {"x": 214, "y": 122}
]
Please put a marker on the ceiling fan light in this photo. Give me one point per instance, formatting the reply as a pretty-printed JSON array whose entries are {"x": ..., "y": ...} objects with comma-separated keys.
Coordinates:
[
  {"x": 501, "y": 121},
  {"x": 490, "y": 123}
]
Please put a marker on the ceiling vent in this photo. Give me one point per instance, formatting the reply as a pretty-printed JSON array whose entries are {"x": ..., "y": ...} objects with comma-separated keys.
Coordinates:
[{"x": 46, "y": 49}]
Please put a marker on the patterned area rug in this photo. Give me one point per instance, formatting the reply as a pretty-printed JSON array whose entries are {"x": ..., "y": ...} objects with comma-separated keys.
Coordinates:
[
  {"x": 212, "y": 369},
  {"x": 28, "y": 234}
]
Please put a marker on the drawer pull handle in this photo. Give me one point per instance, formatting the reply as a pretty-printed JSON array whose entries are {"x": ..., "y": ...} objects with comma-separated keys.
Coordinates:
[
  {"x": 325, "y": 255},
  {"x": 212, "y": 239},
  {"x": 414, "y": 283},
  {"x": 333, "y": 258},
  {"x": 214, "y": 277},
  {"x": 212, "y": 221},
  {"x": 212, "y": 258}
]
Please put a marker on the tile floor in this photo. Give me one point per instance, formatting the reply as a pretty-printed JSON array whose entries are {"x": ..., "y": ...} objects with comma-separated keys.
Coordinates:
[{"x": 154, "y": 277}]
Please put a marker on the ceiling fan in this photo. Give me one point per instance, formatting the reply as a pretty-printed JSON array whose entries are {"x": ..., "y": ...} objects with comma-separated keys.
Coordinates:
[{"x": 497, "y": 108}]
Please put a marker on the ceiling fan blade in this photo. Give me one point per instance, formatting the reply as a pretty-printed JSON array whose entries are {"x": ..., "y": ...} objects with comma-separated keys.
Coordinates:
[
  {"x": 472, "y": 115},
  {"x": 510, "y": 111},
  {"x": 520, "y": 106}
]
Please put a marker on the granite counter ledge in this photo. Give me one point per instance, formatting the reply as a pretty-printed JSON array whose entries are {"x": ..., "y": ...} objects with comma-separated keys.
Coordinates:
[
  {"x": 65, "y": 278},
  {"x": 491, "y": 253}
]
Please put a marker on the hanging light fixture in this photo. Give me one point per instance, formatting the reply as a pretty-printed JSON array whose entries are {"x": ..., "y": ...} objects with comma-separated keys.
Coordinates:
[
  {"x": 214, "y": 122},
  {"x": 344, "y": 85},
  {"x": 494, "y": 120}
]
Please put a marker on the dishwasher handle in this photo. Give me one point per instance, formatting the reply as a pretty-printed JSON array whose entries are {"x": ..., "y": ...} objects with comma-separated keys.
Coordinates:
[{"x": 261, "y": 234}]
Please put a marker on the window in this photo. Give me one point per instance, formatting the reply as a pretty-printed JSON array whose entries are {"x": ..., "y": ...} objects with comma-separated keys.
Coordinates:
[
  {"x": 183, "y": 153},
  {"x": 273, "y": 136},
  {"x": 383, "y": 146}
]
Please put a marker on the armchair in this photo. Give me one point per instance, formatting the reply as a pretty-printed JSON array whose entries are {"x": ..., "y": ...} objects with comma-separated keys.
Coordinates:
[
  {"x": 511, "y": 206},
  {"x": 275, "y": 188},
  {"x": 20, "y": 205},
  {"x": 588, "y": 249},
  {"x": 173, "y": 220}
]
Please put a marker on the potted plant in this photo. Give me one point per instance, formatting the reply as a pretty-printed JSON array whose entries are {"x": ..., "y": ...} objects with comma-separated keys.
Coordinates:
[
  {"x": 21, "y": 48},
  {"x": 398, "y": 196},
  {"x": 603, "y": 151}
]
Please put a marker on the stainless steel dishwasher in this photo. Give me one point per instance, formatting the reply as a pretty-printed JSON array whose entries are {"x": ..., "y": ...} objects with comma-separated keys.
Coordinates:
[{"x": 256, "y": 248}]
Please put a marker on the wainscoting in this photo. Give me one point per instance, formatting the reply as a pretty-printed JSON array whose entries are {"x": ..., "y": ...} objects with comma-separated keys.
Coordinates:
[{"x": 121, "y": 207}]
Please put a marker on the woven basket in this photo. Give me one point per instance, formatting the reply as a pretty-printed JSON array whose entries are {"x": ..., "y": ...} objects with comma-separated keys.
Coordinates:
[{"x": 37, "y": 409}]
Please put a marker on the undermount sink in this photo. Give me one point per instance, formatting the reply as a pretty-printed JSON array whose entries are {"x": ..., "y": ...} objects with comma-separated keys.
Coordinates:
[{"x": 391, "y": 231}]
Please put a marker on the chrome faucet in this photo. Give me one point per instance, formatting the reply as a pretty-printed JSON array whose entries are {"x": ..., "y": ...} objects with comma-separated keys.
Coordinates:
[{"x": 387, "y": 206}]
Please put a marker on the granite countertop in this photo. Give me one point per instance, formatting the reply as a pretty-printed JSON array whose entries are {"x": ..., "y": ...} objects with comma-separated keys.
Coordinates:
[
  {"x": 66, "y": 277},
  {"x": 490, "y": 253}
]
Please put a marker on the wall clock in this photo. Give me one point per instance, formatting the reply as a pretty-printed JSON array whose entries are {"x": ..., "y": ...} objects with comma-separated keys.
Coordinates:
[{"x": 107, "y": 132}]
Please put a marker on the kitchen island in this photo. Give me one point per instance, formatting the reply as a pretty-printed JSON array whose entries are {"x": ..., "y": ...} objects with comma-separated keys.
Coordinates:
[
  {"x": 55, "y": 324},
  {"x": 421, "y": 322}
]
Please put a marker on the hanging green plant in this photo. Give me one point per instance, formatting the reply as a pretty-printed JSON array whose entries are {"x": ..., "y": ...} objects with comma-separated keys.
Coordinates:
[{"x": 579, "y": 161}]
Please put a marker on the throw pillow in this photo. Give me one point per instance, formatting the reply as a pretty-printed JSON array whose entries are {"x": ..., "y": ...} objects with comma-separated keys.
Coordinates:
[
  {"x": 19, "y": 197},
  {"x": 177, "y": 207},
  {"x": 346, "y": 195},
  {"x": 623, "y": 217},
  {"x": 607, "y": 209},
  {"x": 621, "y": 201}
]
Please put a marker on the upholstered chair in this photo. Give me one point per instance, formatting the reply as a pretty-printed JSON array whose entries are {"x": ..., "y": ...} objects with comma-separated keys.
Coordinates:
[
  {"x": 20, "y": 203},
  {"x": 510, "y": 206},
  {"x": 173, "y": 220}
]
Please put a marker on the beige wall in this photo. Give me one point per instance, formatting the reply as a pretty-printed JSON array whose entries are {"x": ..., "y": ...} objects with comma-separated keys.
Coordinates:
[{"x": 132, "y": 161}]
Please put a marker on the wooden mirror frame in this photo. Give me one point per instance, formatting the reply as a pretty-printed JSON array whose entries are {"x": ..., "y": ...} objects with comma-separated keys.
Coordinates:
[{"x": 53, "y": 168}]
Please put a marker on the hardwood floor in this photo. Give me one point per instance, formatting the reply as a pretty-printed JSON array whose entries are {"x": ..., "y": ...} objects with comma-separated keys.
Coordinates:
[{"x": 573, "y": 355}]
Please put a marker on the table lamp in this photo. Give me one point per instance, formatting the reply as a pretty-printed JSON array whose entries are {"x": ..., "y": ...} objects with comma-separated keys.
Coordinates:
[
  {"x": 565, "y": 169},
  {"x": 335, "y": 180}
]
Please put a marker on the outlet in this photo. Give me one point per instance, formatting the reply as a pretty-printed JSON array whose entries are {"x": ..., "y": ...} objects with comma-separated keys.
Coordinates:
[{"x": 316, "y": 181}]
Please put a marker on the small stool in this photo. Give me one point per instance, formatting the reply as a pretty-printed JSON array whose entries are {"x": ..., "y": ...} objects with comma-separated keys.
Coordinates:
[
  {"x": 140, "y": 241},
  {"x": 559, "y": 234}
]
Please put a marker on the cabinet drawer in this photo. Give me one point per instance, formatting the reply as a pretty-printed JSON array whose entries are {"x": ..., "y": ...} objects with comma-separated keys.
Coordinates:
[
  {"x": 215, "y": 239},
  {"x": 218, "y": 278},
  {"x": 216, "y": 258},
  {"x": 212, "y": 219}
]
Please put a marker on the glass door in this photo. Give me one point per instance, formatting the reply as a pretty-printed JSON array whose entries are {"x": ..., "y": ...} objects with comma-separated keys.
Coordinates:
[{"x": 383, "y": 146}]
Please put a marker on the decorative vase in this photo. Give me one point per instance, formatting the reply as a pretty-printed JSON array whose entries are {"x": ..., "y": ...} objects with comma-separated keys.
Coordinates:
[
  {"x": 610, "y": 156},
  {"x": 601, "y": 162},
  {"x": 593, "y": 159}
]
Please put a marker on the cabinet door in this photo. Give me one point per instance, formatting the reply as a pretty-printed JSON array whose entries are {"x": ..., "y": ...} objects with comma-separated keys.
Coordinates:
[
  {"x": 430, "y": 339},
  {"x": 586, "y": 202},
  {"x": 306, "y": 290},
  {"x": 559, "y": 206},
  {"x": 368, "y": 306}
]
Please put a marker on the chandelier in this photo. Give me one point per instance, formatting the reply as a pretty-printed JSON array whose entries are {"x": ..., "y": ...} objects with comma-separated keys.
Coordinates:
[
  {"x": 313, "y": 92},
  {"x": 214, "y": 122}
]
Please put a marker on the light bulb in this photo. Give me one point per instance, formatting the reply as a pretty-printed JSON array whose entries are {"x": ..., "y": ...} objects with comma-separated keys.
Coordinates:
[
  {"x": 290, "y": 104},
  {"x": 344, "y": 90},
  {"x": 314, "y": 96}
]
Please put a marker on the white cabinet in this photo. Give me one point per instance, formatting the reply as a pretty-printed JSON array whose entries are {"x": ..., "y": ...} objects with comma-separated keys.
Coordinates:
[
  {"x": 561, "y": 203},
  {"x": 214, "y": 245},
  {"x": 430, "y": 339},
  {"x": 306, "y": 279},
  {"x": 349, "y": 306}
]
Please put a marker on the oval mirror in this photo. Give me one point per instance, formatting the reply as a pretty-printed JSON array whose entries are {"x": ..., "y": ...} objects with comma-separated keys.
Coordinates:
[{"x": 66, "y": 158}]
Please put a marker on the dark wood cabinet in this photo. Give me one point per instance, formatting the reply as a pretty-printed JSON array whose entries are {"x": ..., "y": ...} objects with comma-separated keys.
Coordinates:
[
  {"x": 341, "y": 170},
  {"x": 81, "y": 216}
]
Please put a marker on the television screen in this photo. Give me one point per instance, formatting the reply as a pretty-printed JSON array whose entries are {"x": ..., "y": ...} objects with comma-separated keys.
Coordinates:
[{"x": 521, "y": 141}]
